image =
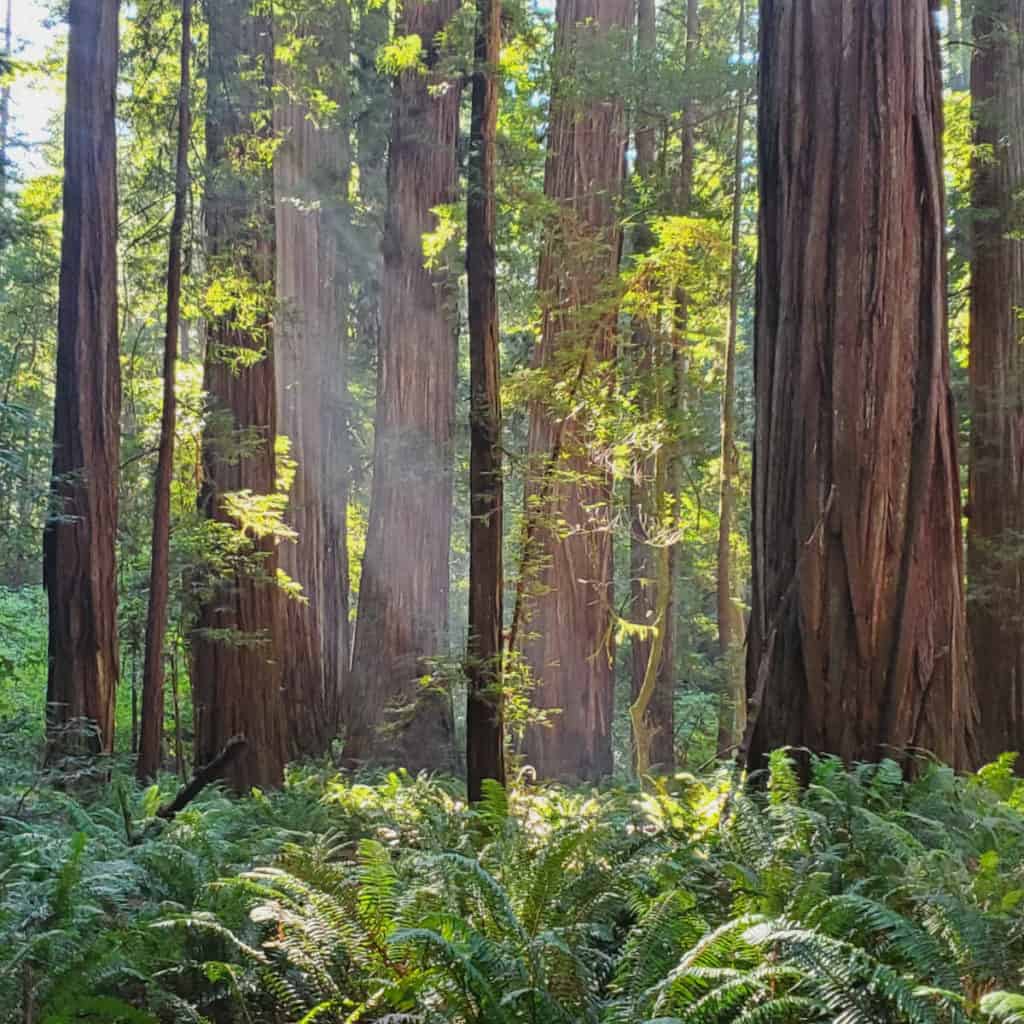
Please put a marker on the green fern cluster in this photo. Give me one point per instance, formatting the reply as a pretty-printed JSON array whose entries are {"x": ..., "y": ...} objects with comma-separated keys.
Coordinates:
[{"x": 860, "y": 898}]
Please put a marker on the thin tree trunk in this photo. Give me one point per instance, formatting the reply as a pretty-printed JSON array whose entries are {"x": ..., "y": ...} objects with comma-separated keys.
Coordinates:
[
  {"x": 732, "y": 710},
  {"x": 179, "y": 747},
  {"x": 566, "y": 596},
  {"x": 647, "y": 727},
  {"x": 79, "y": 545},
  {"x": 236, "y": 642},
  {"x": 337, "y": 634},
  {"x": 653, "y": 687},
  {"x": 857, "y": 627},
  {"x": 642, "y": 511},
  {"x": 485, "y": 749},
  {"x": 311, "y": 175},
  {"x": 151, "y": 749},
  {"x": 403, "y": 597},
  {"x": 995, "y": 531},
  {"x": 133, "y": 682},
  {"x": 664, "y": 743}
]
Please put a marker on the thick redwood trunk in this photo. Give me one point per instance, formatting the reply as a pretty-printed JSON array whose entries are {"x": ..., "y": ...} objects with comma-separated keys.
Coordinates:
[
  {"x": 485, "y": 750},
  {"x": 80, "y": 539},
  {"x": 311, "y": 173},
  {"x": 151, "y": 746},
  {"x": 564, "y": 624},
  {"x": 857, "y": 643},
  {"x": 236, "y": 644},
  {"x": 403, "y": 597},
  {"x": 995, "y": 557}
]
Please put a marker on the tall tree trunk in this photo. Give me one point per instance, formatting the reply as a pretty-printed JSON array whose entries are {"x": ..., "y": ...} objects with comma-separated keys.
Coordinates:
[
  {"x": 337, "y": 632},
  {"x": 485, "y": 748},
  {"x": 151, "y": 748},
  {"x": 682, "y": 204},
  {"x": 995, "y": 532},
  {"x": 79, "y": 544},
  {"x": 650, "y": 564},
  {"x": 565, "y": 601},
  {"x": 732, "y": 711},
  {"x": 858, "y": 643},
  {"x": 236, "y": 643},
  {"x": 372, "y": 129},
  {"x": 311, "y": 174},
  {"x": 403, "y": 597}
]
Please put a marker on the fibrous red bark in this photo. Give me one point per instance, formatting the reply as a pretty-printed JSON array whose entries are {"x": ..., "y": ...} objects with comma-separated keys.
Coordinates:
[
  {"x": 311, "y": 173},
  {"x": 403, "y": 596},
  {"x": 236, "y": 643},
  {"x": 567, "y": 558},
  {"x": 858, "y": 597},
  {"x": 995, "y": 532},
  {"x": 81, "y": 532}
]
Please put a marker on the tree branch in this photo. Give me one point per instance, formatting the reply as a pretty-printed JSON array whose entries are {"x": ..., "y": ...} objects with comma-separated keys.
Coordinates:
[{"x": 202, "y": 778}]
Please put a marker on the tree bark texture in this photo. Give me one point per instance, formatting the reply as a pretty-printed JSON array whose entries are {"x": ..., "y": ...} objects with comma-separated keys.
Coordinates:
[
  {"x": 995, "y": 531},
  {"x": 858, "y": 597},
  {"x": 152, "y": 735},
  {"x": 311, "y": 174},
  {"x": 236, "y": 644},
  {"x": 567, "y": 556},
  {"x": 485, "y": 731},
  {"x": 79, "y": 544},
  {"x": 403, "y": 597}
]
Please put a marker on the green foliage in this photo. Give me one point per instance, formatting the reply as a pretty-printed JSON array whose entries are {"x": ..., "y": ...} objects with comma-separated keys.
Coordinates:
[
  {"x": 860, "y": 898},
  {"x": 22, "y": 653}
]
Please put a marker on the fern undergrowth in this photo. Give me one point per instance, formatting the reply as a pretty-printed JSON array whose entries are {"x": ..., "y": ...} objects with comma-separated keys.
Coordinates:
[{"x": 859, "y": 899}]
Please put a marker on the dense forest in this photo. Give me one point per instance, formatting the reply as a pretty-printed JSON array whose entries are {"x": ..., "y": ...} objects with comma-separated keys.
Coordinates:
[{"x": 512, "y": 512}]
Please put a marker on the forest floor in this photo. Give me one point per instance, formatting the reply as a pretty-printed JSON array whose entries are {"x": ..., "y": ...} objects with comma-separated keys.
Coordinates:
[{"x": 861, "y": 898}]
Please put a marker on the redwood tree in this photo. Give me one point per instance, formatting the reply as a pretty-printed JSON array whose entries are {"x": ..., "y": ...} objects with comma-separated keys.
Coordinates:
[
  {"x": 311, "y": 174},
  {"x": 995, "y": 533},
  {"x": 152, "y": 731},
  {"x": 857, "y": 635},
  {"x": 236, "y": 675},
  {"x": 403, "y": 596},
  {"x": 485, "y": 752},
  {"x": 81, "y": 531},
  {"x": 565, "y": 616}
]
